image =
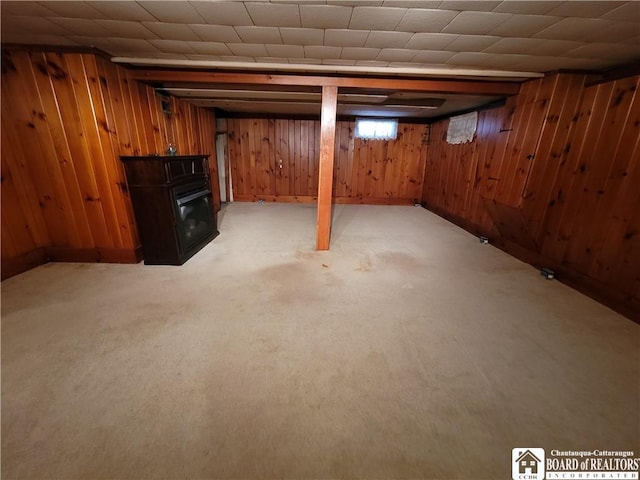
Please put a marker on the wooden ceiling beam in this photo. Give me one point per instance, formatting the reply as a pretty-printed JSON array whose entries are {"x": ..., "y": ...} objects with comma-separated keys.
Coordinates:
[{"x": 475, "y": 87}]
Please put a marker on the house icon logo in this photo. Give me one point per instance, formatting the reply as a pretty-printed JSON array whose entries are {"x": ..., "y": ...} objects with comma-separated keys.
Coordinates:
[{"x": 527, "y": 463}]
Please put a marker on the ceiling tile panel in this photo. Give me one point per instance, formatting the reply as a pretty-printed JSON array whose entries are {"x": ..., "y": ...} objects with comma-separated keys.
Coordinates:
[
  {"x": 271, "y": 60},
  {"x": 273, "y": 15},
  {"x": 131, "y": 45},
  {"x": 468, "y": 59},
  {"x": 616, "y": 32},
  {"x": 396, "y": 55},
  {"x": 64, "y": 9},
  {"x": 123, "y": 10},
  {"x": 432, "y": 56},
  {"x": 423, "y": 20},
  {"x": 80, "y": 26},
  {"x": 210, "y": 48},
  {"x": 334, "y": 61},
  {"x": 412, "y": 3},
  {"x": 430, "y": 41},
  {"x": 575, "y": 29},
  {"x": 172, "y": 46},
  {"x": 345, "y": 38},
  {"x": 285, "y": 51},
  {"x": 526, "y": 7},
  {"x": 23, "y": 38},
  {"x": 312, "y": 51},
  {"x": 216, "y": 33},
  {"x": 355, "y": 53},
  {"x": 173, "y": 11},
  {"x": 34, "y": 25},
  {"x": 126, "y": 29},
  {"x": 471, "y": 43},
  {"x": 372, "y": 18},
  {"x": 324, "y": 16},
  {"x": 302, "y": 36},
  {"x": 356, "y": 3},
  {"x": 514, "y": 45},
  {"x": 472, "y": 5},
  {"x": 605, "y": 50},
  {"x": 248, "y": 49},
  {"x": 204, "y": 58},
  {"x": 309, "y": 61},
  {"x": 554, "y": 47},
  {"x": 577, "y": 8},
  {"x": 524, "y": 25},
  {"x": 259, "y": 34},
  {"x": 378, "y": 39},
  {"x": 629, "y": 12},
  {"x": 26, "y": 8},
  {"x": 476, "y": 23},
  {"x": 223, "y": 13},
  {"x": 172, "y": 31}
]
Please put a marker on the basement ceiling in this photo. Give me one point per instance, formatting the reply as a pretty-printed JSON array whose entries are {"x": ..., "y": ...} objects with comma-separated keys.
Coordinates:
[{"x": 510, "y": 40}]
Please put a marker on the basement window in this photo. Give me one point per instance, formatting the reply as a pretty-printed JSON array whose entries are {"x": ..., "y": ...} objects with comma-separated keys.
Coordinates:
[{"x": 377, "y": 128}]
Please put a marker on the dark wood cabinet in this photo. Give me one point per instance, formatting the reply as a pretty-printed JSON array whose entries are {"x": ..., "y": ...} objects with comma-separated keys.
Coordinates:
[{"x": 173, "y": 206}]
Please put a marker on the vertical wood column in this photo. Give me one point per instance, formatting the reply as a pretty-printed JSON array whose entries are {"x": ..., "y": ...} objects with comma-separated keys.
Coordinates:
[{"x": 325, "y": 177}]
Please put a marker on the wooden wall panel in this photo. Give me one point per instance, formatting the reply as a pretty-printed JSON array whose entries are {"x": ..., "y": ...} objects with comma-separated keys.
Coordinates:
[
  {"x": 553, "y": 178},
  {"x": 66, "y": 119},
  {"x": 277, "y": 160}
]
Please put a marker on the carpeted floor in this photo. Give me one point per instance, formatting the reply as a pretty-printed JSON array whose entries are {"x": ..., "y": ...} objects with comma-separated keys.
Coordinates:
[{"x": 409, "y": 350}]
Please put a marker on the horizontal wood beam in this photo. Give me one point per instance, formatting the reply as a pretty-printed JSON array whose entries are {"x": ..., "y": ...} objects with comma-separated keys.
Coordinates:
[{"x": 475, "y": 87}]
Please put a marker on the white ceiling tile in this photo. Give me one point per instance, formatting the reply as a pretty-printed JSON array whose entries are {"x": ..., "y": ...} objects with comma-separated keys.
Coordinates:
[
  {"x": 123, "y": 10},
  {"x": 345, "y": 38},
  {"x": 471, "y": 43},
  {"x": 468, "y": 58},
  {"x": 236, "y": 58},
  {"x": 64, "y": 9},
  {"x": 302, "y": 36},
  {"x": 378, "y": 39},
  {"x": 172, "y": 11},
  {"x": 31, "y": 39},
  {"x": 629, "y": 12},
  {"x": 524, "y": 25},
  {"x": 132, "y": 45},
  {"x": 248, "y": 49},
  {"x": 412, "y": 3},
  {"x": 574, "y": 29},
  {"x": 376, "y": 18},
  {"x": 423, "y": 20},
  {"x": 216, "y": 33},
  {"x": 356, "y": 3},
  {"x": 285, "y": 51},
  {"x": 204, "y": 58},
  {"x": 172, "y": 31},
  {"x": 476, "y": 23},
  {"x": 554, "y": 47},
  {"x": 430, "y": 41},
  {"x": 274, "y": 15},
  {"x": 578, "y": 8},
  {"x": 337, "y": 61},
  {"x": 616, "y": 32},
  {"x": 172, "y": 46},
  {"x": 25, "y": 8},
  {"x": 210, "y": 48},
  {"x": 371, "y": 63},
  {"x": 472, "y": 5},
  {"x": 126, "y": 29},
  {"x": 526, "y": 7},
  {"x": 259, "y": 34},
  {"x": 312, "y": 51},
  {"x": 324, "y": 16},
  {"x": 80, "y": 26},
  {"x": 309, "y": 61},
  {"x": 605, "y": 50},
  {"x": 271, "y": 60},
  {"x": 89, "y": 41},
  {"x": 504, "y": 62},
  {"x": 432, "y": 56},
  {"x": 514, "y": 45},
  {"x": 542, "y": 64},
  {"x": 396, "y": 55},
  {"x": 356, "y": 53},
  {"x": 223, "y": 13},
  {"x": 35, "y": 25}
]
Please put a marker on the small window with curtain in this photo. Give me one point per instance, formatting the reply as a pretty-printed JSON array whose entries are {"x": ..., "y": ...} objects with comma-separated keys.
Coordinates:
[{"x": 377, "y": 128}]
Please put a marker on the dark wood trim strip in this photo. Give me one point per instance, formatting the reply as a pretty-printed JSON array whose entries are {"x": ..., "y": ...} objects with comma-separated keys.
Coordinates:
[{"x": 24, "y": 262}]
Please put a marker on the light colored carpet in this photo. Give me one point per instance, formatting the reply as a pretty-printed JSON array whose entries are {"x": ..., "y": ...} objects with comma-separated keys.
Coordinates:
[{"x": 409, "y": 350}]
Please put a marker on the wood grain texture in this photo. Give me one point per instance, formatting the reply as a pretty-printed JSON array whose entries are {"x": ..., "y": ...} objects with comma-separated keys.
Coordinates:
[
  {"x": 325, "y": 170},
  {"x": 66, "y": 119},
  {"x": 553, "y": 177},
  {"x": 365, "y": 171}
]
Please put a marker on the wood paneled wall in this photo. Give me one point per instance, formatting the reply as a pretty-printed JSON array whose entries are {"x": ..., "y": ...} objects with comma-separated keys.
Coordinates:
[
  {"x": 66, "y": 119},
  {"x": 277, "y": 160},
  {"x": 552, "y": 177}
]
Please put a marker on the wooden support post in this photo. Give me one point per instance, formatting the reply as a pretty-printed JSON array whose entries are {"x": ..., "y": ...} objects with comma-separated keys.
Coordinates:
[{"x": 325, "y": 177}]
